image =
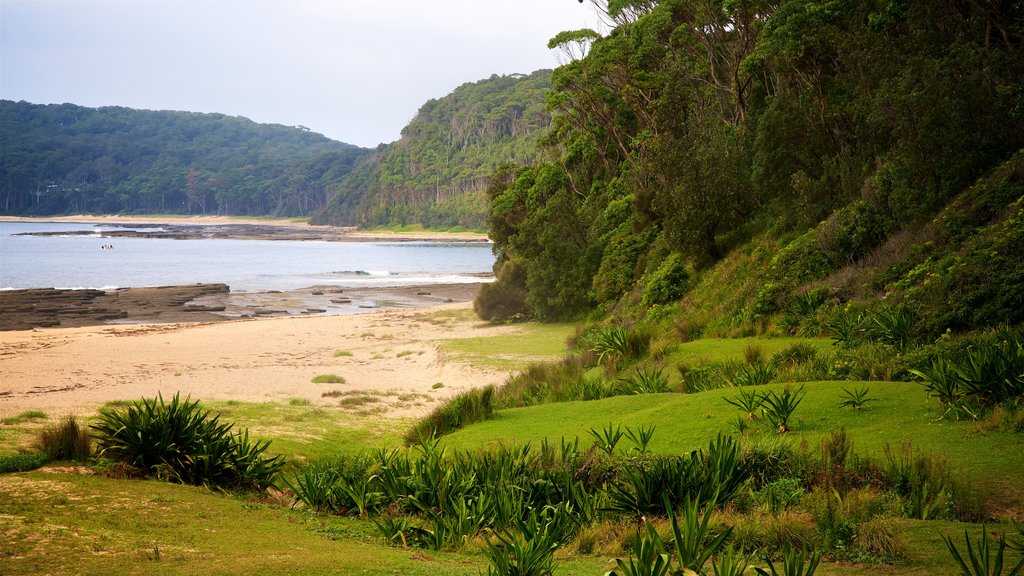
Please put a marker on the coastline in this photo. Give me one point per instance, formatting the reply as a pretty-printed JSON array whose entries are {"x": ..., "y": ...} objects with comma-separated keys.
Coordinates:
[
  {"x": 247, "y": 227},
  {"x": 26, "y": 309},
  {"x": 77, "y": 370}
]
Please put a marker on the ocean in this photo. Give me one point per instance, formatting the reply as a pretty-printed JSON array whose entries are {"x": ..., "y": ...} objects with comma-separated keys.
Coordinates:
[{"x": 80, "y": 261}]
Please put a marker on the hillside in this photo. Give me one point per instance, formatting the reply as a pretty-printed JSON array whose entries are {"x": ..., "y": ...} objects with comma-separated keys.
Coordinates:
[
  {"x": 435, "y": 175},
  {"x": 59, "y": 159},
  {"x": 727, "y": 164}
]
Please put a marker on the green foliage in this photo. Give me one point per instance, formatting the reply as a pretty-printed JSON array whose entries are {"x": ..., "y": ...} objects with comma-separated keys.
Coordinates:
[
  {"x": 465, "y": 408},
  {"x": 436, "y": 174},
  {"x": 66, "y": 440},
  {"x": 504, "y": 300},
  {"x": 667, "y": 283},
  {"x": 694, "y": 544},
  {"x": 165, "y": 162},
  {"x": 980, "y": 560},
  {"x": 22, "y": 462},
  {"x": 779, "y": 408},
  {"x": 856, "y": 398},
  {"x": 643, "y": 380},
  {"x": 985, "y": 375},
  {"x": 328, "y": 379},
  {"x": 608, "y": 438},
  {"x": 180, "y": 441},
  {"x": 749, "y": 401},
  {"x": 648, "y": 557},
  {"x": 794, "y": 563}
]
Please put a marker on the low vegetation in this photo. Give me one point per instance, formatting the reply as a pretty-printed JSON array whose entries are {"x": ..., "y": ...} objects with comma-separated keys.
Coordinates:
[{"x": 180, "y": 441}]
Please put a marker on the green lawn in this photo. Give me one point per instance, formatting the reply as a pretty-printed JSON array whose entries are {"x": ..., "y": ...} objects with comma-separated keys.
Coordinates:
[
  {"x": 513, "y": 351},
  {"x": 902, "y": 412}
]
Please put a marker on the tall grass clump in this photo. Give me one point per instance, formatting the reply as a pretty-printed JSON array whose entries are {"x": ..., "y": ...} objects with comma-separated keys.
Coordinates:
[
  {"x": 180, "y": 441},
  {"x": 546, "y": 382},
  {"x": 475, "y": 405},
  {"x": 66, "y": 440}
]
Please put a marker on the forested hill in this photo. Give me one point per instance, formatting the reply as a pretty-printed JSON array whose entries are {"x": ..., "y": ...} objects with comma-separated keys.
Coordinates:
[
  {"x": 57, "y": 159},
  {"x": 436, "y": 173},
  {"x": 728, "y": 162}
]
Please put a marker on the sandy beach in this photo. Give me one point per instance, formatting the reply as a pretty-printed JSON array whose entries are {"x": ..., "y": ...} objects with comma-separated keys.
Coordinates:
[{"x": 77, "y": 370}]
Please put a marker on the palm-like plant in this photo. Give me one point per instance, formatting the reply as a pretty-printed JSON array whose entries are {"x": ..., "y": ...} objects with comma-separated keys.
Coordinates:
[
  {"x": 780, "y": 407},
  {"x": 856, "y": 398},
  {"x": 980, "y": 560},
  {"x": 794, "y": 563},
  {"x": 749, "y": 401},
  {"x": 649, "y": 557},
  {"x": 693, "y": 549}
]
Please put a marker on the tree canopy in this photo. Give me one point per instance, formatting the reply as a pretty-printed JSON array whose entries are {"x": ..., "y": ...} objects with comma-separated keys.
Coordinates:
[
  {"x": 436, "y": 173},
  {"x": 691, "y": 120},
  {"x": 64, "y": 158}
]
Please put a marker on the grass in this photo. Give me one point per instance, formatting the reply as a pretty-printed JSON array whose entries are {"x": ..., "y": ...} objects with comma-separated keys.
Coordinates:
[
  {"x": 302, "y": 433},
  {"x": 328, "y": 379},
  {"x": 342, "y": 354},
  {"x": 901, "y": 413},
  {"x": 51, "y": 524},
  {"x": 70, "y": 523},
  {"x": 527, "y": 343},
  {"x": 720, "y": 349},
  {"x": 26, "y": 416}
]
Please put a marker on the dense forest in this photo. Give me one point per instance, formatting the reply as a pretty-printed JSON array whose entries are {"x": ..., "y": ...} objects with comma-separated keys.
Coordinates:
[
  {"x": 796, "y": 152},
  {"x": 57, "y": 159},
  {"x": 436, "y": 174}
]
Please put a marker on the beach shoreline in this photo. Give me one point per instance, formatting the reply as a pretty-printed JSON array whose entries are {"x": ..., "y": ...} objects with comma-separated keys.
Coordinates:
[
  {"x": 77, "y": 370},
  {"x": 241, "y": 227}
]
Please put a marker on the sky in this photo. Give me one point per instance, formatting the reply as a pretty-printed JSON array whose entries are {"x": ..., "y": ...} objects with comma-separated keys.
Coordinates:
[{"x": 355, "y": 71}]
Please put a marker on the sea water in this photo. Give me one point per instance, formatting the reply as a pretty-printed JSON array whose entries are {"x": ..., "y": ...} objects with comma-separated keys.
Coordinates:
[{"x": 81, "y": 261}]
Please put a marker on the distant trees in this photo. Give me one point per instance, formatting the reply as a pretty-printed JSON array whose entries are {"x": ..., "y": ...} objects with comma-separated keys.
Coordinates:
[
  {"x": 63, "y": 158},
  {"x": 435, "y": 175}
]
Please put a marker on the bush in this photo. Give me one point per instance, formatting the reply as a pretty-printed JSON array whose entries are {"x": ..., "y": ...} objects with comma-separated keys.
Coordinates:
[
  {"x": 180, "y": 441},
  {"x": 667, "y": 283},
  {"x": 65, "y": 441},
  {"x": 504, "y": 300},
  {"x": 467, "y": 407},
  {"x": 22, "y": 462}
]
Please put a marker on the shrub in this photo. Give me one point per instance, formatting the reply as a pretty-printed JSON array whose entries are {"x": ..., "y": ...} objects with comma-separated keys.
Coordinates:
[
  {"x": 882, "y": 537},
  {"x": 328, "y": 379},
  {"x": 543, "y": 382},
  {"x": 796, "y": 353},
  {"x": 856, "y": 398},
  {"x": 504, "y": 300},
  {"x": 752, "y": 353},
  {"x": 22, "y": 462},
  {"x": 667, "y": 283},
  {"x": 65, "y": 441},
  {"x": 180, "y": 441},
  {"x": 475, "y": 405},
  {"x": 643, "y": 381}
]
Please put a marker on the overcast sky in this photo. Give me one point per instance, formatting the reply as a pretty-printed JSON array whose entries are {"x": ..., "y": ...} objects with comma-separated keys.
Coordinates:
[{"x": 356, "y": 71}]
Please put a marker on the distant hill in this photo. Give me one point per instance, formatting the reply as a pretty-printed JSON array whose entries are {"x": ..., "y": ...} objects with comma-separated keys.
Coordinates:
[
  {"x": 437, "y": 172},
  {"x": 57, "y": 159}
]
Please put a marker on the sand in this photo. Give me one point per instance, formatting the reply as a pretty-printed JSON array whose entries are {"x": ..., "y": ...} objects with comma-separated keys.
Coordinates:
[{"x": 76, "y": 370}]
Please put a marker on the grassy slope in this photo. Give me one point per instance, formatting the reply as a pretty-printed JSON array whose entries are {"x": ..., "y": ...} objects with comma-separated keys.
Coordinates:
[
  {"x": 901, "y": 413},
  {"x": 69, "y": 523}
]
